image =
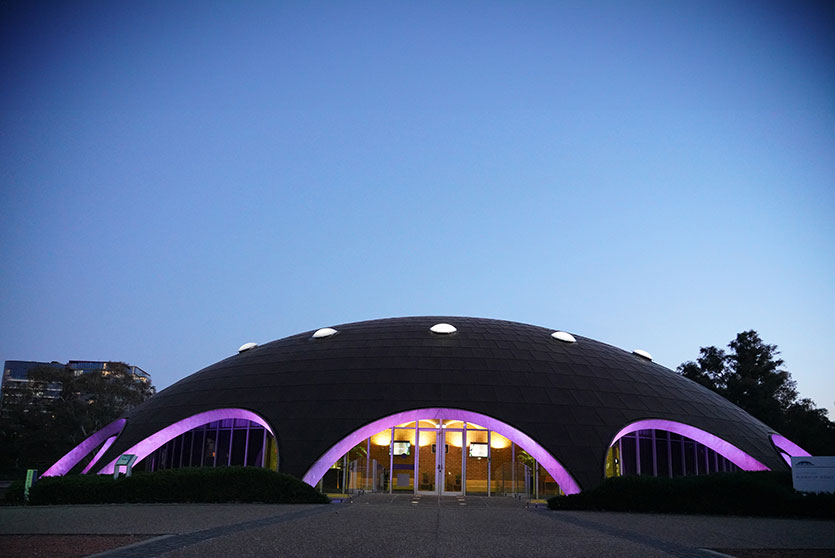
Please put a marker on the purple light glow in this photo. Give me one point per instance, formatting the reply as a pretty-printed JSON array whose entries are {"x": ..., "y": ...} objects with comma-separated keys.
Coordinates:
[
  {"x": 554, "y": 468},
  {"x": 150, "y": 444},
  {"x": 63, "y": 465},
  {"x": 789, "y": 447},
  {"x": 720, "y": 446},
  {"x": 105, "y": 446}
]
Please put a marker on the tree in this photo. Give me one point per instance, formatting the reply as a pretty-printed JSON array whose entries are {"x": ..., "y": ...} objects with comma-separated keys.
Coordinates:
[
  {"x": 750, "y": 375},
  {"x": 708, "y": 370},
  {"x": 810, "y": 427},
  {"x": 59, "y": 408}
]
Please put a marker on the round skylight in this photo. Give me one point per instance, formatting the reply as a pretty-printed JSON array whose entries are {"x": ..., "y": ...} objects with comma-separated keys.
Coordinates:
[
  {"x": 247, "y": 346},
  {"x": 642, "y": 353},
  {"x": 324, "y": 332},
  {"x": 564, "y": 336},
  {"x": 443, "y": 329}
]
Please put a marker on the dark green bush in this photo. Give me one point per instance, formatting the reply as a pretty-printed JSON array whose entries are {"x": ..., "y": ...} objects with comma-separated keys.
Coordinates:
[
  {"x": 222, "y": 484},
  {"x": 14, "y": 494},
  {"x": 744, "y": 493}
]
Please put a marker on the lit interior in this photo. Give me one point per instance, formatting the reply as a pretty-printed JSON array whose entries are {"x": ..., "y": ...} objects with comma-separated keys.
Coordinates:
[{"x": 440, "y": 451}]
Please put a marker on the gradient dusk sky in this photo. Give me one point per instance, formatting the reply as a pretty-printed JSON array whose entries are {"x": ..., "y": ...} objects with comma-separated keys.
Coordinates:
[{"x": 179, "y": 178}]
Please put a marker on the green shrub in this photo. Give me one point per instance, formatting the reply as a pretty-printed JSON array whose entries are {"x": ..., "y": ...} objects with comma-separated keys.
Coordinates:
[
  {"x": 222, "y": 484},
  {"x": 744, "y": 493},
  {"x": 14, "y": 494}
]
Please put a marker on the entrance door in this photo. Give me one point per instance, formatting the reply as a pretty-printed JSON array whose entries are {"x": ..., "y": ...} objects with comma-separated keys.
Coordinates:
[
  {"x": 439, "y": 462},
  {"x": 427, "y": 462},
  {"x": 450, "y": 460}
]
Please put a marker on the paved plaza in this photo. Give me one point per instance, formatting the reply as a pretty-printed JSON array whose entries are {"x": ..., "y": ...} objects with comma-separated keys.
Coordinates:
[{"x": 376, "y": 525}]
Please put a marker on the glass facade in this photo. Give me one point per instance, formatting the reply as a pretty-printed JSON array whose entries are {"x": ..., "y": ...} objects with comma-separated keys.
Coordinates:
[
  {"x": 660, "y": 453},
  {"x": 446, "y": 457},
  {"x": 221, "y": 443}
]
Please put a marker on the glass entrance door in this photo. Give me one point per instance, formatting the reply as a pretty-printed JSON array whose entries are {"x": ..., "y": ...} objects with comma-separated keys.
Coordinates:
[
  {"x": 439, "y": 462},
  {"x": 427, "y": 462},
  {"x": 451, "y": 463}
]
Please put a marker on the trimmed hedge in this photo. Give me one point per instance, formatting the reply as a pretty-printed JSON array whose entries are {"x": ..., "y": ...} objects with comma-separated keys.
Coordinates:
[
  {"x": 766, "y": 493},
  {"x": 221, "y": 484}
]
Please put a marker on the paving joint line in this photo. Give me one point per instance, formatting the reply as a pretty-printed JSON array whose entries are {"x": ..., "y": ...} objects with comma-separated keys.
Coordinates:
[
  {"x": 167, "y": 543},
  {"x": 646, "y": 540}
]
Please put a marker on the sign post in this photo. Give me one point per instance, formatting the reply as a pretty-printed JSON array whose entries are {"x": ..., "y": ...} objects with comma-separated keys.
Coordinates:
[
  {"x": 31, "y": 477},
  {"x": 125, "y": 460}
]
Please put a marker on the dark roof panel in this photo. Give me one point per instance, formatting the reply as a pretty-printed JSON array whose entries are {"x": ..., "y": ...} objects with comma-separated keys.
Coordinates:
[{"x": 572, "y": 398}]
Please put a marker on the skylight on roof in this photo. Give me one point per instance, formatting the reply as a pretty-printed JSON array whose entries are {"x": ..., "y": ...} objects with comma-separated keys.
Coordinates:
[
  {"x": 443, "y": 329},
  {"x": 324, "y": 332},
  {"x": 642, "y": 353},
  {"x": 247, "y": 346},
  {"x": 564, "y": 336}
]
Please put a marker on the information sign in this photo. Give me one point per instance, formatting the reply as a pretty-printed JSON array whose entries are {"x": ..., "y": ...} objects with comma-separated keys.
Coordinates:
[
  {"x": 813, "y": 473},
  {"x": 125, "y": 460},
  {"x": 31, "y": 477}
]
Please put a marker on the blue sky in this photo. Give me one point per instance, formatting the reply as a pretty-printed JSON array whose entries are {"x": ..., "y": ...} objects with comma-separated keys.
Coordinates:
[{"x": 179, "y": 178}]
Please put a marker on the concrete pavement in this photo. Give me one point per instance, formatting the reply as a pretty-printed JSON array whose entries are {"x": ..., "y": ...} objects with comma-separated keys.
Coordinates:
[{"x": 381, "y": 525}]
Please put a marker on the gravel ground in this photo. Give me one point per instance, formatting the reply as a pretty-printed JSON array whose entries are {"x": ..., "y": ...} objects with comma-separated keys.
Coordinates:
[{"x": 62, "y": 546}]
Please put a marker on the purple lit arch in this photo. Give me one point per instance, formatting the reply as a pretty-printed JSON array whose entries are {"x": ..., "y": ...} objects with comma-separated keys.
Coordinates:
[
  {"x": 150, "y": 444},
  {"x": 788, "y": 448},
  {"x": 104, "y": 447},
  {"x": 554, "y": 468},
  {"x": 717, "y": 444},
  {"x": 107, "y": 435}
]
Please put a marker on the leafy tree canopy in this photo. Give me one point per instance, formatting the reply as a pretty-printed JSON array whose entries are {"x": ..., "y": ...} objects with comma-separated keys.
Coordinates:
[
  {"x": 60, "y": 407},
  {"x": 750, "y": 375}
]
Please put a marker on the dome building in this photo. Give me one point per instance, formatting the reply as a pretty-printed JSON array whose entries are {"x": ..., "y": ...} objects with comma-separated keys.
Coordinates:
[{"x": 439, "y": 405}]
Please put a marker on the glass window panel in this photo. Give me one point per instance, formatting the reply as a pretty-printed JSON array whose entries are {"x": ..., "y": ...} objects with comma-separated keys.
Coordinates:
[
  {"x": 196, "y": 447},
  {"x": 701, "y": 456},
  {"x": 403, "y": 461},
  {"x": 646, "y": 455},
  {"x": 185, "y": 455},
  {"x": 501, "y": 465},
  {"x": 209, "y": 448},
  {"x": 477, "y": 462},
  {"x": 711, "y": 461},
  {"x": 547, "y": 485},
  {"x": 427, "y": 469},
  {"x": 256, "y": 447},
  {"x": 689, "y": 457},
  {"x": 238, "y": 446},
  {"x": 380, "y": 455},
  {"x": 453, "y": 461},
  {"x": 224, "y": 437},
  {"x": 629, "y": 455},
  {"x": 405, "y": 435},
  {"x": 662, "y": 456},
  {"x": 676, "y": 457},
  {"x": 176, "y": 447}
]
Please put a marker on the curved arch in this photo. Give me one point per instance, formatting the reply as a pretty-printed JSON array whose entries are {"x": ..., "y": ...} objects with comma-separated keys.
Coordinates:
[
  {"x": 66, "y": 463},
  {"x": 554, "y": 467},
  {"x": 150, "y": 444},
  {"x": 717, "y": 444},
  {"x": 102, "y": 450},
  {"x": 788, "y": 448}
]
